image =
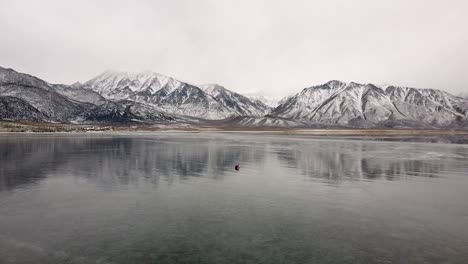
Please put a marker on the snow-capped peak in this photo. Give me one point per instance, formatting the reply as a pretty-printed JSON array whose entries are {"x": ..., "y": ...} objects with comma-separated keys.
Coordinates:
[
  {"x": 112, "y": 83},
  {"x": 213, "y": 89},
  {"x": 335, "y": 84},
  {"x": 368, "y": 104}
]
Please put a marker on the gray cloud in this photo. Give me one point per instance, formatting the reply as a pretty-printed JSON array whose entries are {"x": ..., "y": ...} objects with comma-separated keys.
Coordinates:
[{"x": 276, "y": 47}]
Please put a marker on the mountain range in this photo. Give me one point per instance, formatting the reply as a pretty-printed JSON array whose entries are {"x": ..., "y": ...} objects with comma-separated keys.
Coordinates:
[{"x": 153, "y": 98}]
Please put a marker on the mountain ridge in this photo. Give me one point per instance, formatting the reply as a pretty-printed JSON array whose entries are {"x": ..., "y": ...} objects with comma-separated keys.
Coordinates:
[
  {"x": 170, "y": 95},
  {"x": 343, "y": 103},
  {"x": 149, "y": 97}
]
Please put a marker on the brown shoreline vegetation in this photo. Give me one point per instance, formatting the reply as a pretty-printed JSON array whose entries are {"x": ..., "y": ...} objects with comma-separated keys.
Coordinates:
[{"x": 36, "y": 127}]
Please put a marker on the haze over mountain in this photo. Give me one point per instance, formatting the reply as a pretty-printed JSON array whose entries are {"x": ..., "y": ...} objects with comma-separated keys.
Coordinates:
[
  {"x": 273, "y": 47},
  {"x": 463, "y": 95},
  {"x": 271, "y": 101},
  {"x": 153, "y": 98}
]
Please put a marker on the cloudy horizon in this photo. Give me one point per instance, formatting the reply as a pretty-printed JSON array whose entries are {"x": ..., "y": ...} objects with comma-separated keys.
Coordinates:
[{"x": 275, "y": 48}]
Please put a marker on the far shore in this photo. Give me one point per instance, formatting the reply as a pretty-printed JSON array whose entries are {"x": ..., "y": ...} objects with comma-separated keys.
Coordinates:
[{"x": 7, "y": 127}]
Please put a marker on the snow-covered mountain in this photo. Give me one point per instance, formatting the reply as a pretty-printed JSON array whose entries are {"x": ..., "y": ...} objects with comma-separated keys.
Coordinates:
[
  {"x": 239, "y": 104},
  {"x": 173, "y": 96},
  {"x": 37, "y": 96},
  {"x": 119, "y": 97},
  {"x": 145, "y": 87},
  {"x": 366, "y": 105},
  {"x": 25, "y": 97}
]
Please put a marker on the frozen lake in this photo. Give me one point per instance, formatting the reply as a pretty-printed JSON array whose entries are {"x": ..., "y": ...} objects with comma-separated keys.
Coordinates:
[{"x": 176, "y": 198}]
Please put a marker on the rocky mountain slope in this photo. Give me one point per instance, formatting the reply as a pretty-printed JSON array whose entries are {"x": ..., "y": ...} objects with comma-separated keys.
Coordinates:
[
  {"x": 17, "y": 109},
  {"x": 25, "y": 97},
  {"x": 235, "y": 102}
]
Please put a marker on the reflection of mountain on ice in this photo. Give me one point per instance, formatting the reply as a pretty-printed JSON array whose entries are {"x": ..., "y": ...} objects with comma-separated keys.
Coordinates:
[{"x": 128, "y": 160}]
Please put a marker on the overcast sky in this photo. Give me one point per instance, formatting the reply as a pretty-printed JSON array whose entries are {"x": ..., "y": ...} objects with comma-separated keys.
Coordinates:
[{"x": 276, "y": 47}]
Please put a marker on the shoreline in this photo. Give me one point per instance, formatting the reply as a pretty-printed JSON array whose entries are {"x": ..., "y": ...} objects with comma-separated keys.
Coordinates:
[
  {"x": 311, "y": 132},
  {"x": 14, "y": 127}
]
